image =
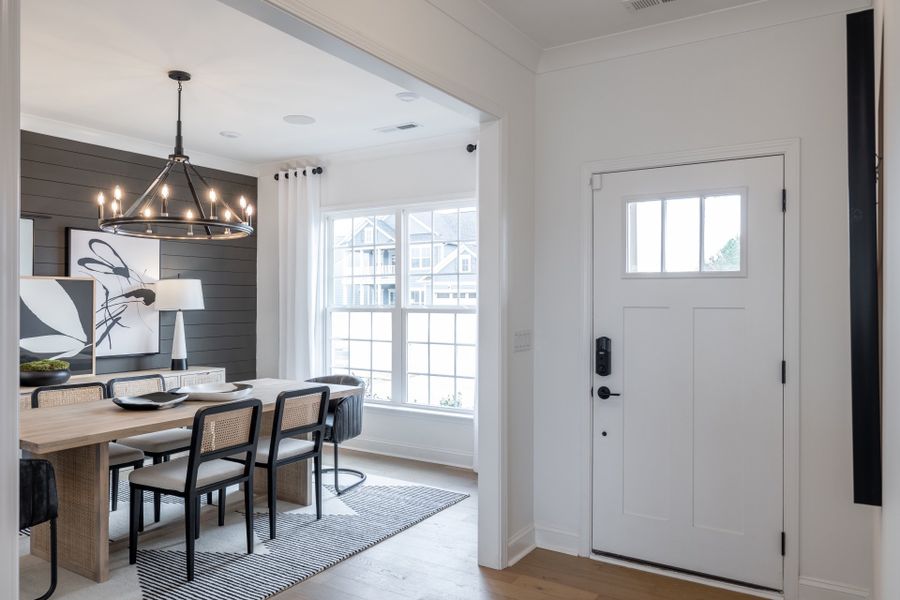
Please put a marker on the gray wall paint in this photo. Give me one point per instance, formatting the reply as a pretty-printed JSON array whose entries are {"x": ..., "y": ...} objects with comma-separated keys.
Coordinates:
[{"x": 60, "y": 181}]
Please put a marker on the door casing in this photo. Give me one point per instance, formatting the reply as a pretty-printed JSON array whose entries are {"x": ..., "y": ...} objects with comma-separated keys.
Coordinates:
[{"x": 789, "y": 149}]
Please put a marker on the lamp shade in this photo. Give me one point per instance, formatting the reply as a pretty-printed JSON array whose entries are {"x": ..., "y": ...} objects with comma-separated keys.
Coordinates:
[{"x": 179, "y": 294}]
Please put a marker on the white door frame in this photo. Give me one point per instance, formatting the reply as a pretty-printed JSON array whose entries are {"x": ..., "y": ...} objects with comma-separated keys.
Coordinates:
[{"x": 790, "y": 150}]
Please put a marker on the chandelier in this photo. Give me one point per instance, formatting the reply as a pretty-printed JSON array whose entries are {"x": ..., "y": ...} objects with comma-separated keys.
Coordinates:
[{"x": 155, "y": 213}]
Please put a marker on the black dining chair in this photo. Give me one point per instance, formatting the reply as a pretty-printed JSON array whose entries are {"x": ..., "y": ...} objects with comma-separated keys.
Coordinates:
[
  {"x": 219, "y": 432},
  {"x": 159, "y": 446},
  {"x": 38, "y": 503},
  {"x": 120, "y": 455},
  {"x": 344, "y": 422},
  {"x": 297, "y": 412}
]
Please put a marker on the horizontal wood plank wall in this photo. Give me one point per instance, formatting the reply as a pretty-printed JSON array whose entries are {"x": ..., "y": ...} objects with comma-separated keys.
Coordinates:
[{"x": 60, "y": 181}]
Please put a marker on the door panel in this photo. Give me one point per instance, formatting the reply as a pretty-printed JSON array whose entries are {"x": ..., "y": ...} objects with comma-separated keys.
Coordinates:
[{"x": 688, "y": 460}]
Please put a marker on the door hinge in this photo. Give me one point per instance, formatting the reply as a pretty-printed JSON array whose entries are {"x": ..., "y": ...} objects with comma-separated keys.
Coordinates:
[
  {"x": 783, "y": 372},
  {"x": 783, "y": 200},
  {"x": 596, "y": 182},
  {"x": 783, "y": 544}
]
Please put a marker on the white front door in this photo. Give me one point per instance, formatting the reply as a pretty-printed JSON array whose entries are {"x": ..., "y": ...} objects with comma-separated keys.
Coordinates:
[{"x": 688, "y": 280}]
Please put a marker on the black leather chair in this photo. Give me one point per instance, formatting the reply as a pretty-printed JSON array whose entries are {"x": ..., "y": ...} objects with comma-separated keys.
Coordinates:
[
  {"x": 344, "y": 422},
  {"x": 38, "y": 503}
]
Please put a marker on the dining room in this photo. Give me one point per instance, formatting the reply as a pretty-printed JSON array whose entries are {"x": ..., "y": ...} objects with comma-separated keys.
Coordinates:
[{"x": 248, "y": 299}]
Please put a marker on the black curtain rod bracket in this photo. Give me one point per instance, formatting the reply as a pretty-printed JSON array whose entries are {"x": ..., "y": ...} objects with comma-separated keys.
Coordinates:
[{"x": 470, "y": 148}]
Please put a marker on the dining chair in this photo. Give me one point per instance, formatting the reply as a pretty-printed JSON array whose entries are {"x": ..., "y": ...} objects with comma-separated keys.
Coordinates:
[
  {"x": 344, "y": 422},
  {"x": 297, "y": 412},
  {"x": 159, "y": 446},
  {"x": 39, "y": 503},
  {"x": 221, "y": 431},
  {"x": 120, "y": 455}
]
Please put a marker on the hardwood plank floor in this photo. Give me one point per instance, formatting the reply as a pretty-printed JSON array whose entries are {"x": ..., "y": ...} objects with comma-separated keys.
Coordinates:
[{"x": 436, "y": 559}]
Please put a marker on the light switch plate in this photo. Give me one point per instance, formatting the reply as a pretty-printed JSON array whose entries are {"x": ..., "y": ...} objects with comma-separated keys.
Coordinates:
[{"x": 522, "y": 341}]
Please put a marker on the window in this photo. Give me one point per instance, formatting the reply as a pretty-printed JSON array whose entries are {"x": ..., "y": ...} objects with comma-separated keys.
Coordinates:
[
  {"x": 411, "y": 331},
  {"x": 694, "y": 234}
]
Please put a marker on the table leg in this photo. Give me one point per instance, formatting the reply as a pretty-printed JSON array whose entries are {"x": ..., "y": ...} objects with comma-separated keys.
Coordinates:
[
  {"x": 82, "y": 484},
  {"x": 294, "y": 480}
]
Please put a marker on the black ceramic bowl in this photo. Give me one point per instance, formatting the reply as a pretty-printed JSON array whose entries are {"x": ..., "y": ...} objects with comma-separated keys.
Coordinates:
[{"x": 42, "y": 378}]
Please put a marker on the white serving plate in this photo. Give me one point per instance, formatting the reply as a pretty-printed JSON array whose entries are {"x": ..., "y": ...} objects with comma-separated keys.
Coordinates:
[{"x": 216, "y": 392}]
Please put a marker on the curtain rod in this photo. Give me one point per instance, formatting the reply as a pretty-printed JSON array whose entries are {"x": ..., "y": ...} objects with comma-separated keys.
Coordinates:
[{"x": 314, "y": 171}]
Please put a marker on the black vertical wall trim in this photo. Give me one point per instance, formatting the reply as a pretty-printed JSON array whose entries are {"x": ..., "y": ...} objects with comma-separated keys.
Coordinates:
[
  {"x": 61, "y": 178},
  {"x": 864, "y": 321}
]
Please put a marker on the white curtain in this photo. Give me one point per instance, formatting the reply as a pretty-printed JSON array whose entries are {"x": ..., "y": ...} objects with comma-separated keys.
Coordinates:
[{"x": 300, "y": 275}]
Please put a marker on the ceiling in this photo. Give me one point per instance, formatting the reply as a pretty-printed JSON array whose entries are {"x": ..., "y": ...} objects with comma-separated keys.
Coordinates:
[
  {"x": 101, "y": 64},
  {"x": 561, "y": 22}
]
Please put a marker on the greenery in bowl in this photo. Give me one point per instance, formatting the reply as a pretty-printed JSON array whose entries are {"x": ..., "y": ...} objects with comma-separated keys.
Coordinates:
[{"x": 44, "y": 365}]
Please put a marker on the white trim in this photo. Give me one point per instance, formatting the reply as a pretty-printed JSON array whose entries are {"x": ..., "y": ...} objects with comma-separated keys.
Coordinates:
[
  {"x": 833, "y": 590},
  {"x": 9, "y": 295},
  {"x": 99, "y": 137},
  {"x": 520, "y": 545},
  {"x": 790, "y": 149},
  {"x": 404, "y": 148},
  {"x": 429, "y": 454},
  {"x": 721, "y": 23},
  {"x": 692, "y": 578},
  {"x": 557, "y": 540},
  {"x": 436, "y": 202}
]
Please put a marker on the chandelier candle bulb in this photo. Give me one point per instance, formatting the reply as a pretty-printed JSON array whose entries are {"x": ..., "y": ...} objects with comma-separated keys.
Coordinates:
[
  {"x": 212, "y": 204},
  {"x": 115, "y": 207},
  {"x": 100, "y": 202},
  {"x": 165, "y": 200},
  {"x": 249, "y": 214}
]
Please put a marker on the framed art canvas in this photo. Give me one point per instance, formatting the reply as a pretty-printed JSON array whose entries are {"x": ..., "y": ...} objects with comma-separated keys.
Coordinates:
[
  {"x": 26, "y": 247},
  {"x": 125, "y": 269},
  {"x": 56, "y": 321}
]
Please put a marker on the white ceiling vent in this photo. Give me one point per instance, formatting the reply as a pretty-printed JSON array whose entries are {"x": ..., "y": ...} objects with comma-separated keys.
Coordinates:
[
  {"x": 634, "y": 5},
  {"x": 400, "y": 127}
]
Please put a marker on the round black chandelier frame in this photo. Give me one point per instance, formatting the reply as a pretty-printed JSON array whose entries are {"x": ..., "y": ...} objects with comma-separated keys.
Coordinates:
[{"x": 216, "y": 221}]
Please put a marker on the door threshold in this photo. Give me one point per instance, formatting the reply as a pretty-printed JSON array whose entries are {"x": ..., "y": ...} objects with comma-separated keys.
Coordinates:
[{"x": 674, "y": 573}]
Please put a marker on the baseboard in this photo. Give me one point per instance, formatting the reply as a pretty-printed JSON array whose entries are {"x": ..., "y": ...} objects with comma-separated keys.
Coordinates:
[
  {"x": 520, "y": 545},
  {"x": 440, "y": 456},
  {"x": 556, "y": 540},
  {"x": 812, "y": 588}
]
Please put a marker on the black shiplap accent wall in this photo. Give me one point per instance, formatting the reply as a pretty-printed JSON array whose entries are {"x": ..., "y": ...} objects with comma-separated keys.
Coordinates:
[{"x": 60, "y": 181}]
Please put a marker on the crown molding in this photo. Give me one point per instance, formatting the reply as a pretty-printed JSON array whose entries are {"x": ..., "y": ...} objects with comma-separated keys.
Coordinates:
[
  {"x": 126, "y": 143},
  {"x": 730, "y": 21},
  {"x": 484, "y": 22}
]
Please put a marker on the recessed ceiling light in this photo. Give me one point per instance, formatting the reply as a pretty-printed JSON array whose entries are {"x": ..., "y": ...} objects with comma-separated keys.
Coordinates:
[
  {"x": 407, "y": 96},
  {"x": 230, "y": 134},
  {"x": 299, "y": 119}
]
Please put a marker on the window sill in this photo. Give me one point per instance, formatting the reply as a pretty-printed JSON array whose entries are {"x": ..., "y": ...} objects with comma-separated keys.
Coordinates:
[{"x": 419, "y": 412}]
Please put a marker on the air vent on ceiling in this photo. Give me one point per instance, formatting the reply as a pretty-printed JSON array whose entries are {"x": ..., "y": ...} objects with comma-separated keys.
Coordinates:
[
  {"x": 642, "y": 4},
  {"x": 400, "y": 127}
]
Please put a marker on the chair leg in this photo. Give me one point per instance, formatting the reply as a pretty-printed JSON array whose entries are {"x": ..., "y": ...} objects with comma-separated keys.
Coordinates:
[
  {"x": 157, "y": 498},
  {"x": 248, "y": 512},
  {"x": 134, "y": 510},
  {"x": 317, "y": 463},
  {"x": 209, "y": 498},
  {"x": 189, "y": 522},
  {"x": 337, "y": 470},
  {"x": 272, "y": 498},
  {"x": 54, "y": 565},
  {"x": 114, "y": 488},
  {"x": 197, "y": 518},
  {"x": 221, "y": 507}
]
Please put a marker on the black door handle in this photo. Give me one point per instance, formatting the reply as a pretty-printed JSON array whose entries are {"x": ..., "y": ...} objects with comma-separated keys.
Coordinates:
[{"x": 603, "y": 392}]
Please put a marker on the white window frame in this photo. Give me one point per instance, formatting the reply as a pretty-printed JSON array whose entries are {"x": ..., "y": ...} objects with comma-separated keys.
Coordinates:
[
  {"x": 401, "y": 307},
  {"x": 702, "y": 195}
]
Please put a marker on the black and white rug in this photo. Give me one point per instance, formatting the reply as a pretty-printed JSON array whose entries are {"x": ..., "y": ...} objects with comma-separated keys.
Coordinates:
[{"x": 351, "y": 523}]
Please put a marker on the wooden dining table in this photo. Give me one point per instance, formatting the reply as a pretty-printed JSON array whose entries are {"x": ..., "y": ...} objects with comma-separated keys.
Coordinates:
[{"x": 75, "y": 440}]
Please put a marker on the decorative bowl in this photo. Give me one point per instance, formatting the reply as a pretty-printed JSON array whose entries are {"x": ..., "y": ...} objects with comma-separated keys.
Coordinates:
[
  {"x": 42, "y": 378},
  {"x": 151, "y": 401},
  {"x": 216, "y": 392}
]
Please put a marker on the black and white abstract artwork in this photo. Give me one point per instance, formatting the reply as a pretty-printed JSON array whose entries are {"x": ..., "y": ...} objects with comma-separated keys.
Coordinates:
[
  {"x": 56, "y": 321},
  {"x": 125, "y": 270}
]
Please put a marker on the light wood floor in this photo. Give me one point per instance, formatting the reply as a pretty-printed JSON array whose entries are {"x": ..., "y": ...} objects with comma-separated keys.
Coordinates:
[{"x": 436, "y": 560}]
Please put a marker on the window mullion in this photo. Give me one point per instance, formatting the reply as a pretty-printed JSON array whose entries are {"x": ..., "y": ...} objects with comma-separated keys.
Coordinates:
[{"x": 398, "y": 344}]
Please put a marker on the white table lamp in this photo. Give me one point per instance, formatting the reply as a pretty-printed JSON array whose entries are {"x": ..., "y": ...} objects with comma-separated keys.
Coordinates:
[{"x": 179, "y": 294}]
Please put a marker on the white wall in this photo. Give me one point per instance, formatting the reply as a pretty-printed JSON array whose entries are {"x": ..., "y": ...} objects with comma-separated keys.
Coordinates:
[
  {"x": 444, "y": 53},
  {"x": 780, "y": 82},
  {"x": 401, "y": 173}
]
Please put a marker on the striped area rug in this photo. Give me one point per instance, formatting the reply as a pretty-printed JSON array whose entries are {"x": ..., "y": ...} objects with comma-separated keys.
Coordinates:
[{"x": 369, "y": 514}]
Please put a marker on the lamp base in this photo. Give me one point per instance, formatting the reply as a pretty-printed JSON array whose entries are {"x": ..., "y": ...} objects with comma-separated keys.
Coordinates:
[{"x": 179, "y": 364}]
